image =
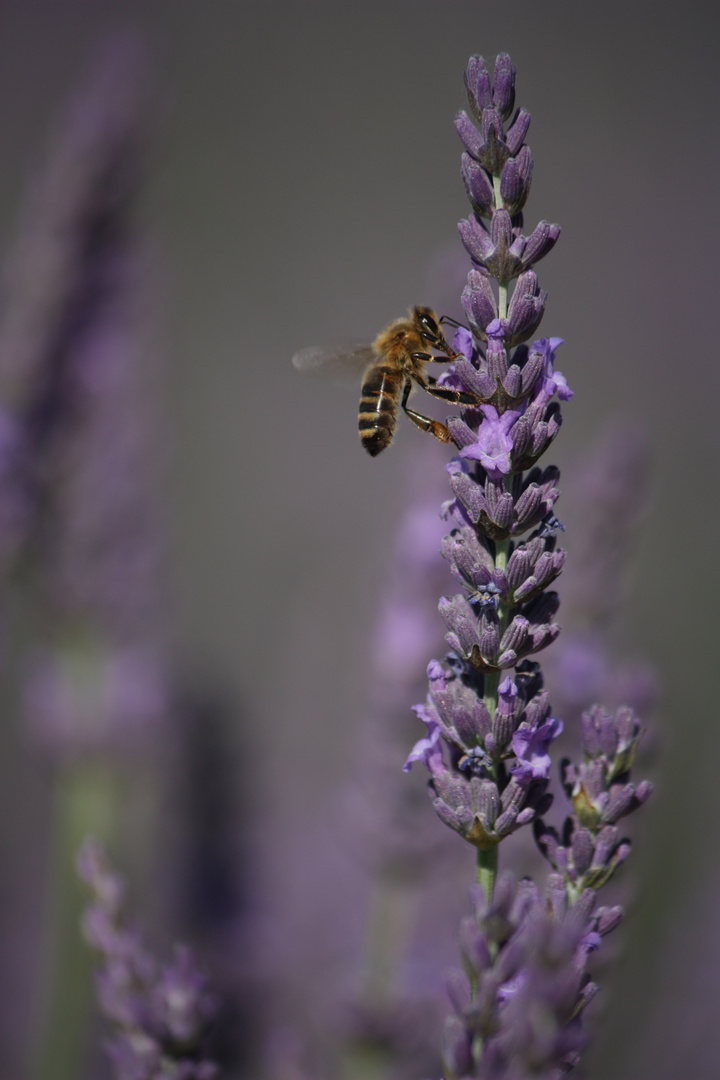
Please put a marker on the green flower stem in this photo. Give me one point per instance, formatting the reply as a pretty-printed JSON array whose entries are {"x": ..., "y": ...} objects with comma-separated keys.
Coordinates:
[
  {"x": 492, "y": 678},
  {"x": 501, "y": 553},
  {"x": 490, "y": 697},
  {"x": 487, "y": 866},
  {"x": 502, "y": 289},
  {"x": 86, "y": 802}
]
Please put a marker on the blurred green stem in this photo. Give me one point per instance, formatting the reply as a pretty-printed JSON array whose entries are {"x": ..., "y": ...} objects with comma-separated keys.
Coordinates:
[
  {"x": 392, "y": 920},
  {"x": 86, "y": 803}
]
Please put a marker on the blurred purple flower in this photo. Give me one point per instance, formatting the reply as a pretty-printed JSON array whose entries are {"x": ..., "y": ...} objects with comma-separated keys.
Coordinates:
[
  {"x": 159, "y": 1015},
  {"x": 82, "y": 446}
]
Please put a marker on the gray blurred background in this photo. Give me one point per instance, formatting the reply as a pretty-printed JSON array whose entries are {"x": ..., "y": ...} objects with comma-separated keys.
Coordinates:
[{"x": 305, "y": 183}]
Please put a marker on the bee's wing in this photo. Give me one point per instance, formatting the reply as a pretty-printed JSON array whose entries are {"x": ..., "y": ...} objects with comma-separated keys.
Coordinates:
[{"x": 339, "y": 362}]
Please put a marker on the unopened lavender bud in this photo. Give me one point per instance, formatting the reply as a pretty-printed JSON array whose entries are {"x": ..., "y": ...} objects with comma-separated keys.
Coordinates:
[
  {"x": 474, "y": 949},
  {"x": 493, "y": 152},
  {"x": 541, "y": 240},
  {"x": 469, "y": 135},
  {"x": 461, "y": 433},
  {"x": 501, "y": 232},
  {"x": 500, "y": 505},
  {"x": 458, "y": 991},
  {"x": 468, "y": 560},
  {"x": 488, "y": 803},
  {"x": 476, "y": 240},
  {"x": 608, "y": 918},
  {"x": 469, "y": 494},
  {"x": 511, "y": 187},
  {"x": 627, "y": 727},
  {"x": 523, "y": 160},
  {"x": 521, "y": 440},
  {"x": 531, "y": 370},
  {"x": 489, "y": 635},
  {"x": 621, "y": 802},
  {"x": 581, "y": 911},
  {"x": 479, "y": 383},
  {"x": 503, "y": 85},
  {"x": 548, "y": 567},
  {"x": 479, "y": 302},
  {"x": 478, "y": 85},
  {"x": 472, "y": 726},
  {"x": 512, "y": 382},
  {"x": 582, "y": 851},
  {"x": 496, "y": 359},
  {"x": 516, "y": 133},
  {"x": 606, "y": 844},
  {"x": 643, "y": 792},
  {"x": 526, "y": 308},
  {"x": 528, "y": 505},
  {"x": 457, "y": 1051},
  {"x": 462, "y": 625},
  {"x": 436, "y": 676},
  {"x": 477, "y": 185},
  {"x": 516, "y": 634},
  {"x": 599, "y": 737}
]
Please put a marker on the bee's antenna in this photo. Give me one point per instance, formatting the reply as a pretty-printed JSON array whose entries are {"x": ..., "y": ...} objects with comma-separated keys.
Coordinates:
[{"x": 447, "y": 319}]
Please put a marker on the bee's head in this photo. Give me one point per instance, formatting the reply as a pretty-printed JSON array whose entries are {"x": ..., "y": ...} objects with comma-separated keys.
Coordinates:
[{"x": 427, "y": 324}]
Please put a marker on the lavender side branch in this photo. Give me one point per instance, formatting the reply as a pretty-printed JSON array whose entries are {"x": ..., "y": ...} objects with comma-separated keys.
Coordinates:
[{"x": 489, "y": 721}]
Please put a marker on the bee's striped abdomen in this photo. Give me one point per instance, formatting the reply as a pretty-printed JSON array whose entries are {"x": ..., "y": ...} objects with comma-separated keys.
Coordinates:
[{"x": 379, "y": 401}]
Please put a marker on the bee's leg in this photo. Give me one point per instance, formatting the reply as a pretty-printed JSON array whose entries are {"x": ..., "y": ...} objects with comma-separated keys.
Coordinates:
[
  {"x": 446, "y": 393},
  {"x": 423, "y": 422},
  {"x": 428, "y": 358}
]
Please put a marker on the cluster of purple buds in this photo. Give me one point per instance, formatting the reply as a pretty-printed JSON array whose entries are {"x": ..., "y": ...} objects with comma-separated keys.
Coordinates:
[
  {"x": 525, "y": 984},
  {"x": 496, "y": 727},
  {"x": 159, "y": 1015},
  {"x": 591, "y": 846},
  {"x": 488, "y": 718},
  {"x": 499, "y": 762}
]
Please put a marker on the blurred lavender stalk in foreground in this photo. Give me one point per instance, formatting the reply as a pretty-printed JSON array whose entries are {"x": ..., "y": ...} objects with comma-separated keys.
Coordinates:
[
  {"x": 159, "y": 1015},
  {"x": 76, "y": 381},
  {"x": 82, "y": 446}
]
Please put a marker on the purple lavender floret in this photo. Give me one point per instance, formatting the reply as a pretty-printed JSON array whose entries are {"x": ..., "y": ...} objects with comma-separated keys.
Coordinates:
[
  {"x": 490, "y": 727},
  {"x": 159, "y": 1014}
]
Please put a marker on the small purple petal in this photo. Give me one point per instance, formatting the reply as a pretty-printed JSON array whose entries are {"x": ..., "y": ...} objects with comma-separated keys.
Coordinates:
[
  {"x": 531, "y": 749},
  {"x": 494, "y": 442},
  {"x": 428, "y": 750}
]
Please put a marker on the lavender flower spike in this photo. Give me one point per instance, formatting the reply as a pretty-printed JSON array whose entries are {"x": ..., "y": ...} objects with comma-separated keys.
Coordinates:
[
  {"x": 159, "y": 1015},
  {"x": 490, "y": 728}
]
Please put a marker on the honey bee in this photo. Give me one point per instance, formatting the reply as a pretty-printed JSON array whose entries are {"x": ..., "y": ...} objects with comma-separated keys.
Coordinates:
[{"x": 393, "y": 363}]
